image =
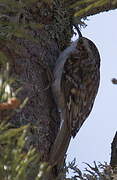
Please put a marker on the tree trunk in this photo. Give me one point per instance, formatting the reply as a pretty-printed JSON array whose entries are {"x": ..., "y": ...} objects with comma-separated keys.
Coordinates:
[{"x": 32, "y": 67}]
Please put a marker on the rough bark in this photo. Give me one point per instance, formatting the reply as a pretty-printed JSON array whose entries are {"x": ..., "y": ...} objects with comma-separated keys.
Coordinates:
[{"x": 32, "y": 67}]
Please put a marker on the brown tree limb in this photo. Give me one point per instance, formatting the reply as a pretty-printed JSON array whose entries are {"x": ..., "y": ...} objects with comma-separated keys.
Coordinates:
[
  {"x": 106, "y": 7},
  {"x": 113, "y": 161},
  {"x": 83, "y": 10}
]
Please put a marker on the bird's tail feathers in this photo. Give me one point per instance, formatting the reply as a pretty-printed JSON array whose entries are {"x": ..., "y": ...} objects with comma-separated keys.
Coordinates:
[{"x": 60, "y": 145}]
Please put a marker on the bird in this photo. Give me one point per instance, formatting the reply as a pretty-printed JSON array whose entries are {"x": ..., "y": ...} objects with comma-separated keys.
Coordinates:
[{"x": 75, "y": 86}]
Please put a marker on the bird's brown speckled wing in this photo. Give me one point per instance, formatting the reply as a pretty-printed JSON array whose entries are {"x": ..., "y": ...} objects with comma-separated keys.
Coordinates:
[{"x": 79, "y": 84}]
